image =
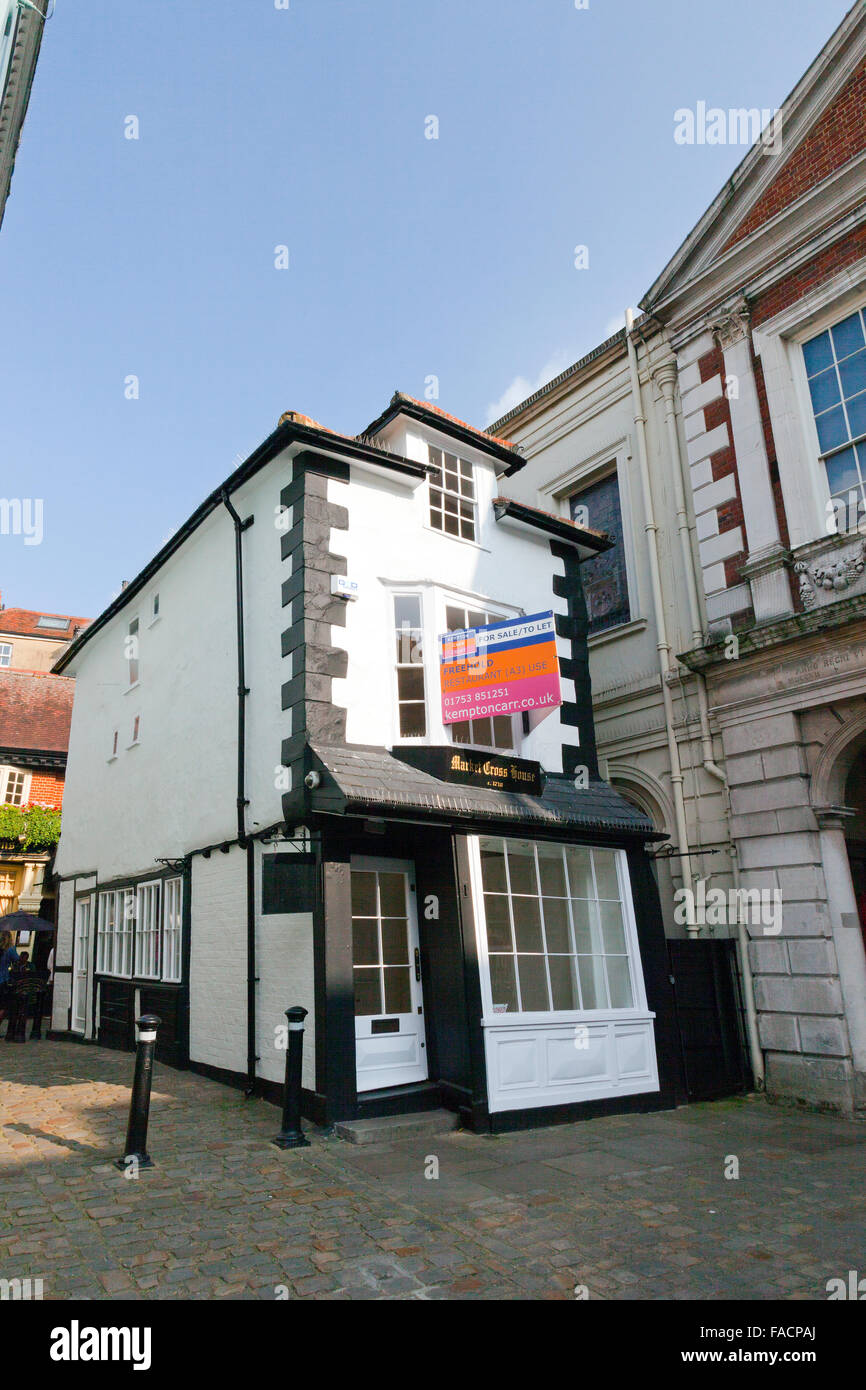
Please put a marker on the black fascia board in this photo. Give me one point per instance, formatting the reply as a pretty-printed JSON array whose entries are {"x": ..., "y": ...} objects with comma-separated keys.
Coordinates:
[
  {"x": 476, "y": 439},
  {"x": 562, "y": 530},
  {"x": 290, "y": 432}
]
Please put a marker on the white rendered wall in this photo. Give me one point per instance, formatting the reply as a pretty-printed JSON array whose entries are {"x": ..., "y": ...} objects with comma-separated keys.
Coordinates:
[
  {"x": 284, "y": 965},
  {"x": 390, "y": 548},
  {"x": 218, "y": 961}
]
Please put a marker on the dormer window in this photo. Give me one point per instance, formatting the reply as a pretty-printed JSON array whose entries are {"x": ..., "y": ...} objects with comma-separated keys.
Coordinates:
[{"x": 452, "y": 495}]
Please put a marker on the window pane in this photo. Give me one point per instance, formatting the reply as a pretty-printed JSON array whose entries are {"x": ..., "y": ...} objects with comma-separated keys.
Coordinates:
[
  {"x": 410, "y": 683},
  {"x": 848, "y": 335},
  {"x": 533, "y": 984},
  {"x": 407, "y": 610},
  {"x": 607, "y": 883},
  {"x": 363, "y": 894},
  {"x": 619, "y": 982},
  {"x": 503, "y": 984},
  {"x": 368, "y": 992},
  {"x": 586, "y": 933},
  {"x": 503, "y": 731},
  {"x": 476, "y": 618},
  {"x": 824, "y": 389},
  {"x": 552, "y": 871},
  {"x": 493, "y": 866},
  {"x": 498, "y": 922},
  {"x": 857, "y": 415},
  {"x": 592, "y": 983},
  {"x": 579, "y": 872},
  {"x": 467, "y": 530},
  {"x": 451, "y": 526},
  {"x": 451, "y": 506},
  {"x": 556, "y": 930},
  {"x": 563, "y": 982},
  {"x": 842, "y": 472},
  {"x": 832, "y": 429},
  {"x": 852, "y": 374},
  {"x": 392, "y": 895},
  {"x": 455, "y": 618},
  {"x": 521, "y": 868},
  {"x": 482, "y": 732},
  {"x": 527, "y": 924},
  {"x": 461, "y": 732},
  {"x": 612, "y": 928},
  {"x": 817, "y": 354},
  {"x": 413, "y": 721},
  {"x": 398, "y": 993},
  {"x": 434, "y": 455},
  {"x": 395, "y": 941},
  {"x": 365, "y": 941}
]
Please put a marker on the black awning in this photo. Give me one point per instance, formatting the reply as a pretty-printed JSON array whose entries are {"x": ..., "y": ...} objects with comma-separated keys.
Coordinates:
[{"x": 372, "y": 781}]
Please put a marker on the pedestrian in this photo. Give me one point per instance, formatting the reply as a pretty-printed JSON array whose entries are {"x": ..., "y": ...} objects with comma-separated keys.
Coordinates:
[{"x": 8, "y": 958}]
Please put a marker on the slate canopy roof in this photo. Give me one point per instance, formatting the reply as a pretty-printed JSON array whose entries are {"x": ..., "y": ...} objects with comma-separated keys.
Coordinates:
[{"x": 358, "y": 778}]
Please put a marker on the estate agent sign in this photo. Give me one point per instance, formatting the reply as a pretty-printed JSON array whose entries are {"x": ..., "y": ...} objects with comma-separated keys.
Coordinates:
[{"x": 502, "y": 668}]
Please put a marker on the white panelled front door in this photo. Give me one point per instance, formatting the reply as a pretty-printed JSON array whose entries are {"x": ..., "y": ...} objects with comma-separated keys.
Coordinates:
[
  {"x": 390, "y": 1045},
  {"x": 79, "y": 964}
]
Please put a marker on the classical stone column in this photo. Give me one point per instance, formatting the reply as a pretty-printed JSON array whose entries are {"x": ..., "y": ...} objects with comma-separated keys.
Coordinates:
[
  {"x": 765, "y": 567},
  {"x": 847, "y": 936}
]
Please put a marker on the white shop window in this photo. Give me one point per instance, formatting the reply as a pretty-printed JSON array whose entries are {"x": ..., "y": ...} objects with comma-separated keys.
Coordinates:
[
  {"x": 147, "y": 931},
  {"x": 172, "y": 929},
  {"x": 558, "y": 928},
  {"x": 106, "y": 932}
]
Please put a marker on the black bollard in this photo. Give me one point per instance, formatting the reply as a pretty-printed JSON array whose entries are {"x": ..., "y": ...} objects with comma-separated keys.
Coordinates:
[
  {"x": 291, "y": 1136},
  {"x": 139, "y": 1103}
]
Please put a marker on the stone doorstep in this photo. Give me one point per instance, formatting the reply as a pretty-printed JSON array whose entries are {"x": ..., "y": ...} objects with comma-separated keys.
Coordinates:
[{"x": 387, "y": 1128}]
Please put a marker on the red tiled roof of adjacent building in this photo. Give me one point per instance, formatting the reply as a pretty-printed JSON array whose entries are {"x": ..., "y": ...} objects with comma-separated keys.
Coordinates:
[
  {"x": 35, "y": 711},
  {"x": 24, "y": 622}
]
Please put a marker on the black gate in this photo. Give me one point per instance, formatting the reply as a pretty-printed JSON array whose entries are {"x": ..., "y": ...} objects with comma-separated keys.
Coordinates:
[{"x": 709, "y": 1015}]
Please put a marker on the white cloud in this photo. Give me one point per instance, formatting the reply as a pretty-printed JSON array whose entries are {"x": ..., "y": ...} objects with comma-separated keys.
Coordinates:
[{"x": 522, "y": 386}]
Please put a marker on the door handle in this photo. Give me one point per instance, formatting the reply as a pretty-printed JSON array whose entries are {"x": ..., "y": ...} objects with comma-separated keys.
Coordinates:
[{"x": 417, "y": 964}]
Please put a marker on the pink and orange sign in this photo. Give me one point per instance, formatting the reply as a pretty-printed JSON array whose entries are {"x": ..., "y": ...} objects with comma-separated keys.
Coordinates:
[{"x": 502, "y": 668}]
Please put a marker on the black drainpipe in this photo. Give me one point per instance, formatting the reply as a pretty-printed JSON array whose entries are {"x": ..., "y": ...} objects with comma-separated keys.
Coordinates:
[{"x": 243, "y": 840}]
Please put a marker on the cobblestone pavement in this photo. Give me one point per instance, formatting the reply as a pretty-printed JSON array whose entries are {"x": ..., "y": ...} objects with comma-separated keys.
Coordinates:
[{"x": 626, "y": 1207}]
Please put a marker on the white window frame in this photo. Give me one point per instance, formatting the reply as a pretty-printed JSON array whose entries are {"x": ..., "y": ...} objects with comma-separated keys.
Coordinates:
[
  {"x": 5, "y": 655},
  {"x": 638, "y": 1009},
  {"x": 172, "y": 930},
  {"x": 135, "y": 740},
  {"x": 106, "y": 931},
  {"x": 148, "y": 929},
  {"x": 6, "y": 774},
  {"x": 131, "y": 683},
  {"x": 409, "y": 591},
  {"x": 443, "y": 449}
]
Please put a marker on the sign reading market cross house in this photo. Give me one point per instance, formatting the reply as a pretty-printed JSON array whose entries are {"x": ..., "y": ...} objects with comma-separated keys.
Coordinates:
[{"x": 503, "y": 668}]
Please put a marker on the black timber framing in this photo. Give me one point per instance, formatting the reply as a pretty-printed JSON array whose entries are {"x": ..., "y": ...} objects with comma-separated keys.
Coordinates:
[
  {"x": 312, "y": 661},
  {"x": 574, "y": 626}
]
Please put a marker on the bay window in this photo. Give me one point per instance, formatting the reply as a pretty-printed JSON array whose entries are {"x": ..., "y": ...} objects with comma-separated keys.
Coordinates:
[
  {"x": 491, "y": 732},
  {"x": 557, "y": 927}
]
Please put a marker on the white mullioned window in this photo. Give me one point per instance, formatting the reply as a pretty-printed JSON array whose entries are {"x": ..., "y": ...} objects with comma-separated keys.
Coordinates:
[
  {"x": 126, "y": 905},
  {"x": 452, "y": 495},
  {"x": 5, "y": 653},
  {"x": 14, "y": 787},
  {"x": 172, "y": 929},
  {"x": 106, "y": 930},
  {"x": 147, "y": 930},
  {"x": 558, "y": 927},
  {"x": 411, "y": 694}
]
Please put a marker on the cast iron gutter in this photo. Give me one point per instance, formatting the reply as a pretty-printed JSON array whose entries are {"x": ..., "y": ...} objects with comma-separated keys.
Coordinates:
[
  {"x": 291, "y": 432},
  {"x": 241, "y": 803}
]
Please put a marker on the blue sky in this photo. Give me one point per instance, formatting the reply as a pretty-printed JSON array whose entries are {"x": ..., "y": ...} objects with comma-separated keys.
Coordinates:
[{"x": 408, "y": 257}]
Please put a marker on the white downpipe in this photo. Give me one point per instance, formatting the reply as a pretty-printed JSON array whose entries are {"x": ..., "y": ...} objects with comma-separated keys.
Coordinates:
[
  {"x": 666, "y": 380},
  {"x": 662, "y": 643}
]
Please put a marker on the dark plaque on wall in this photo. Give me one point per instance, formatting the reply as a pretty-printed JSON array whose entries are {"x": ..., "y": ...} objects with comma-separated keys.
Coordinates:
[
  {"x": 469, "y": 766},
  {"x": 288, "y": 883}
]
